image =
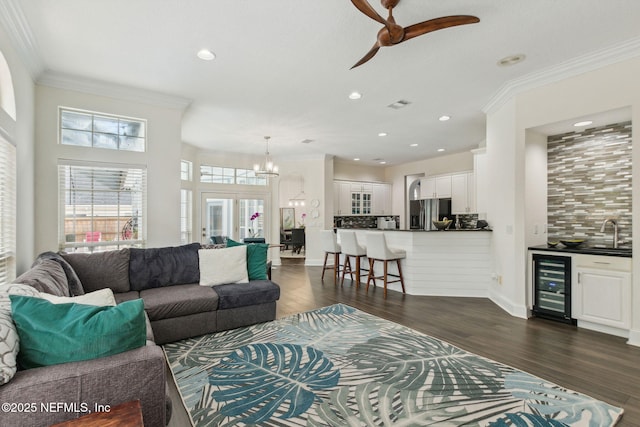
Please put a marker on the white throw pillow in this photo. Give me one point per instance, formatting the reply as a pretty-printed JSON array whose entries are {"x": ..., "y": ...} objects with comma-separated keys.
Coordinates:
[
  {"x": 102, "y": 297},
  {"x": 9, "y": 340},
  {"x": 226, "y": 265}
]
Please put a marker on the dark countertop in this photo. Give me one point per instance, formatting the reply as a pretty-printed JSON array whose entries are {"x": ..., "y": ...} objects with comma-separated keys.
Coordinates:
[
  {"x": 624, "y": 252},
  {"x": 415, "y": 230}
]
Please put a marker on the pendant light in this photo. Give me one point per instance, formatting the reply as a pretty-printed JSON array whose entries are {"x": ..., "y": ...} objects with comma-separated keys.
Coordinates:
[{"x": 266, "y": 169}]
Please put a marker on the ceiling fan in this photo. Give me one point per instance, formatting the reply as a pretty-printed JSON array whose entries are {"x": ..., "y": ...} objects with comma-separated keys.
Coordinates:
[{"x": 392, "y": 33}]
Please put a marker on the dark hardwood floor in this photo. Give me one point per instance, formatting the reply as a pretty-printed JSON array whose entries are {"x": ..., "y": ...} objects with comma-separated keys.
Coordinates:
[{"x": 599, "y": 365}]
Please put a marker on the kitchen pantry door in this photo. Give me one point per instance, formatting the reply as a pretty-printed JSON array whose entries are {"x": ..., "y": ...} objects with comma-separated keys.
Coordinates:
[{"x": 228, "y": 215}]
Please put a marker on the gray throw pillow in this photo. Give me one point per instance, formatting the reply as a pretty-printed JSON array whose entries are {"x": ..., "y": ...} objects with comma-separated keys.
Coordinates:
[
  {"x": 46, "y": 276},
  {"x": 75, "y": 285}
]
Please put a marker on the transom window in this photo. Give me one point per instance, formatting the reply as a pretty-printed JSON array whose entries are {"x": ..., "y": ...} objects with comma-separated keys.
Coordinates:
[
  {"x": 87, "y": 129},
  {"x": 186, "y": 170},
  {"x": 222, "y": 175}
]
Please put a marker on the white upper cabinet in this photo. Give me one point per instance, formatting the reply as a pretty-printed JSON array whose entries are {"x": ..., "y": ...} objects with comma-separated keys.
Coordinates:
[
  {"x": 361, "y": 198},
  {"x": 435, "y": 187},
  {"x": 463, "y": 193}
]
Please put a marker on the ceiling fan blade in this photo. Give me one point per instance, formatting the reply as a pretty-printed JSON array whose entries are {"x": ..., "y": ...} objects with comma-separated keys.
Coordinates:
[
  {"x": 368, "y": 56},
  {"x": 438, "y": 24},
  {"x": 364, "y": 7}
]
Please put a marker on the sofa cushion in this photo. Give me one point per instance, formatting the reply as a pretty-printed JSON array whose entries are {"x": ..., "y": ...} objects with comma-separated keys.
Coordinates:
[
  {"x": 227, "y": 265},
  {"x": 9, "y": 341},
  {"x": 59, "y": 333},
  {"x": 180, "y": 300},
  {"x": 46, "y": 276},
  {"x": 158, "y": 267},
  {"x": 99, "y": 270},
  {"x": 126, "y": 296},
  {"x": 75, "y": 285},
  {"x": 240, "y": 295},
  {"x": 256, "y": 259}
]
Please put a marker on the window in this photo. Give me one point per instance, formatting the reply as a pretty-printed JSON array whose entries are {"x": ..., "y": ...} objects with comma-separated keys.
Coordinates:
[
  {"x": 7, "y": 211},
  {"x": 186, "y": 170},
  {"x": 86, "y": 129},
  {"x": 103, "y": 207},
  {"x": 186, "y": 229},
  {"x": 220, "y": 175}
]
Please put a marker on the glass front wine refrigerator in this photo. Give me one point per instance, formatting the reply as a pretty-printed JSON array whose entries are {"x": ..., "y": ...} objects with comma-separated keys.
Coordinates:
[{"x": 552, "y": 287}]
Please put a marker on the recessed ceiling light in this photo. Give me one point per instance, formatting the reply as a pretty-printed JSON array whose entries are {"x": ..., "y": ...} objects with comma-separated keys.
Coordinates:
[
  {"x": 583, "y": 123},
  {"x": 355, "y": 95},
  {"x": 206, "y": 55},
  {"x": 444, "y": 118},
  {"x": 511, "y": 60},
  {"x": 382, "y": 134},
  {"x": 383, "y": 162},
  {"x": 413, "y": 145},
  {"x": 357, "y": 159},
  {"x": 440, "y": 150}
]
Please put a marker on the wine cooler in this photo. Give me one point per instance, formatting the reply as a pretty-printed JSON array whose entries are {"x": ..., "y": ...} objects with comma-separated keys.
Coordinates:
[{"x": 552, "y": 287}]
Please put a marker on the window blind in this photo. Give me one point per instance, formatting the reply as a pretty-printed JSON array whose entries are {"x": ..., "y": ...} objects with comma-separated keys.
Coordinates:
[
  {"x": 102, "y": 207},
  {"x": 7, "y": 211}
]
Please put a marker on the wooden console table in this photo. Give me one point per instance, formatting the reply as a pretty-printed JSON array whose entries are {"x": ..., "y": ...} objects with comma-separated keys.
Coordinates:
[{"x": 127, "y": 414}]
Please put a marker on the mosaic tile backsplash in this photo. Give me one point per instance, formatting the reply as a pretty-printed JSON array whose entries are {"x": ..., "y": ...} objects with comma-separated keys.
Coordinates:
[{"x": 589, "y": 179}]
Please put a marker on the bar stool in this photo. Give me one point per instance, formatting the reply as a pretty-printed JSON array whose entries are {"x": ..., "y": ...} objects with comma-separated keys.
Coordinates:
[
  {"x": 330, "y": 246},
  {"x": 351, "y": 249},
  {"x": 377, "y": 250}
]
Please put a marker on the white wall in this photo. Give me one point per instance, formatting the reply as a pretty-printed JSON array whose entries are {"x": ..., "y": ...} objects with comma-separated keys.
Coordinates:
[
  {"x": 352, "y": 171},
  {"x": 162, "y": 160},
  {"x": 20, "y": 132},
  {"x": 610, "y": 87}
]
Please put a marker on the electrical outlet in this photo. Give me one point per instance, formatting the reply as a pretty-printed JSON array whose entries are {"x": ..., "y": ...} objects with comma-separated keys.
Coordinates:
[{"x": 499, "y": 280}]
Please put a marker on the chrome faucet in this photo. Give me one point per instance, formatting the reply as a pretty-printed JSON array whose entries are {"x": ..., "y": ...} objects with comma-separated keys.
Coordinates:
[{"x": 614, "y": 222}]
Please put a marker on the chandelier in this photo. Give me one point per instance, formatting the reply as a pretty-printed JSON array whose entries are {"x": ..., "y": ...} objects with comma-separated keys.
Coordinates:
[{"x": 266, "y": 169}]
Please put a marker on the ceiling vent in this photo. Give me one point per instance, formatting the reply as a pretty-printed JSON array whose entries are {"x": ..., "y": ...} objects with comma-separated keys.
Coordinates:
[
  {"x": 399, "y": 104},
  {"x": 307, "y": 141}
]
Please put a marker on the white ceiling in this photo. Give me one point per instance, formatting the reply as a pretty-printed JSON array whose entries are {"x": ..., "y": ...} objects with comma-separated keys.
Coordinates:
[{"x": 282, "y": 67}]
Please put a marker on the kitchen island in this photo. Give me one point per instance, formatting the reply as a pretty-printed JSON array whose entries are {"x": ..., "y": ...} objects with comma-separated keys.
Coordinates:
[{"x": 443, "y": 263}]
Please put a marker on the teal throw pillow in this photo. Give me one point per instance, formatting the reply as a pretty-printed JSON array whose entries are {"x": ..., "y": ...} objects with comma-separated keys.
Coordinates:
[
  {"x": 256, "y": 259},
  {"x": 59, "y": 333}
]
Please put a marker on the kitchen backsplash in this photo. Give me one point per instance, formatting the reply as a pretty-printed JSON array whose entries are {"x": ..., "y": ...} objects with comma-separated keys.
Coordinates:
[
  {"x": 362, "y": 221},
  {"x": 589, "y": 179}
]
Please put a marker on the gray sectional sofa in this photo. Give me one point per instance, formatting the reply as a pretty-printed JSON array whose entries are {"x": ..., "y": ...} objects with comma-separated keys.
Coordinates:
[{"x": 176, "y": 305}]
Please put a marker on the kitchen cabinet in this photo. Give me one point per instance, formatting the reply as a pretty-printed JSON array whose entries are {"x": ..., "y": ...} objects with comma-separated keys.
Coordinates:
[
  {"x": 602, "y": 291},
  {"x": 381, "y": 202},
  {"x": 361, "y": 198},
  {"x": 463, "y": 193},
  {"x": 341, "y": 198},
  {"x": 435, "y": 187},
  {"x": 361, "y": 194}
]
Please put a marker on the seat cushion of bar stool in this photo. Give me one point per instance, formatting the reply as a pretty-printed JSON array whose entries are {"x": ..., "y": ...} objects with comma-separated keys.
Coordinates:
[
  {"x": 397, "y": 253},
  {"x": 377, "y": 248},
  {"x": 329, "y": 242}
]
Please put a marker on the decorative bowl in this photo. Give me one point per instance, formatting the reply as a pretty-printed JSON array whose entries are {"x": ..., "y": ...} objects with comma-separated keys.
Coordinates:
[
  {"x": 572, "y": 243},
  {"x": 552, "y": 243},
  {"x": 442, "y": 225}
]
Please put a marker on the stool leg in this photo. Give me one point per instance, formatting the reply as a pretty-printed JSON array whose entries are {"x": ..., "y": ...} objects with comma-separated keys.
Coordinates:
[
  {"x": 370, "y": 275},
  {"x": 324, "y": 265},
  {"x": 345, "y": 267},
  {"x": 336, "y": 267},
  {"x": 400, "y": 274},
  {"x": 386, "y": 276},
  {"x": 357, "y": 272}
]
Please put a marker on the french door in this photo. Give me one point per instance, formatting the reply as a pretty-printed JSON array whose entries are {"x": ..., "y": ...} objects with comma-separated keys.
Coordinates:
[{"x": 229, "y": 215}]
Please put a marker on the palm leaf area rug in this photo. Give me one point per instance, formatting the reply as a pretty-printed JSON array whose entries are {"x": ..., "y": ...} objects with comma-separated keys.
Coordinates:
[{"x": 338, "y": 366}]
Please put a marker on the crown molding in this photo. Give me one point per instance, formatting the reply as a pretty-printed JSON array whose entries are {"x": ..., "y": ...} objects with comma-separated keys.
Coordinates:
[
  {"x": 112, "y": 90},
  {"x": 21, "y": 37},
  {"x": 579, "y": 65}
]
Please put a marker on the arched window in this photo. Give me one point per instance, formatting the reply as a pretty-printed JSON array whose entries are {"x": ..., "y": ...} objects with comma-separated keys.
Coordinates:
[{"x": 7, "y": 97}]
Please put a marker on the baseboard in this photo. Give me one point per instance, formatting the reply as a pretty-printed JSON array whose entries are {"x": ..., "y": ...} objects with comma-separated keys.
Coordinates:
[
  {"x": 516, "y": 310},
  {"x": 634, "y": 338}
]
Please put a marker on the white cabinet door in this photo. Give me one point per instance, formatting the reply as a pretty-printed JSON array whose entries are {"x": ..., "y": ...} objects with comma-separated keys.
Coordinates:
[
  {"x": 427, "y": 188},
  {"x": 603, "y": 297},
  {"x": 341, "y": 198},
  {"x": 381, "y": 203},
  {"x": 443, "y": 186},
  {"x": 463, "y": 193}
]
